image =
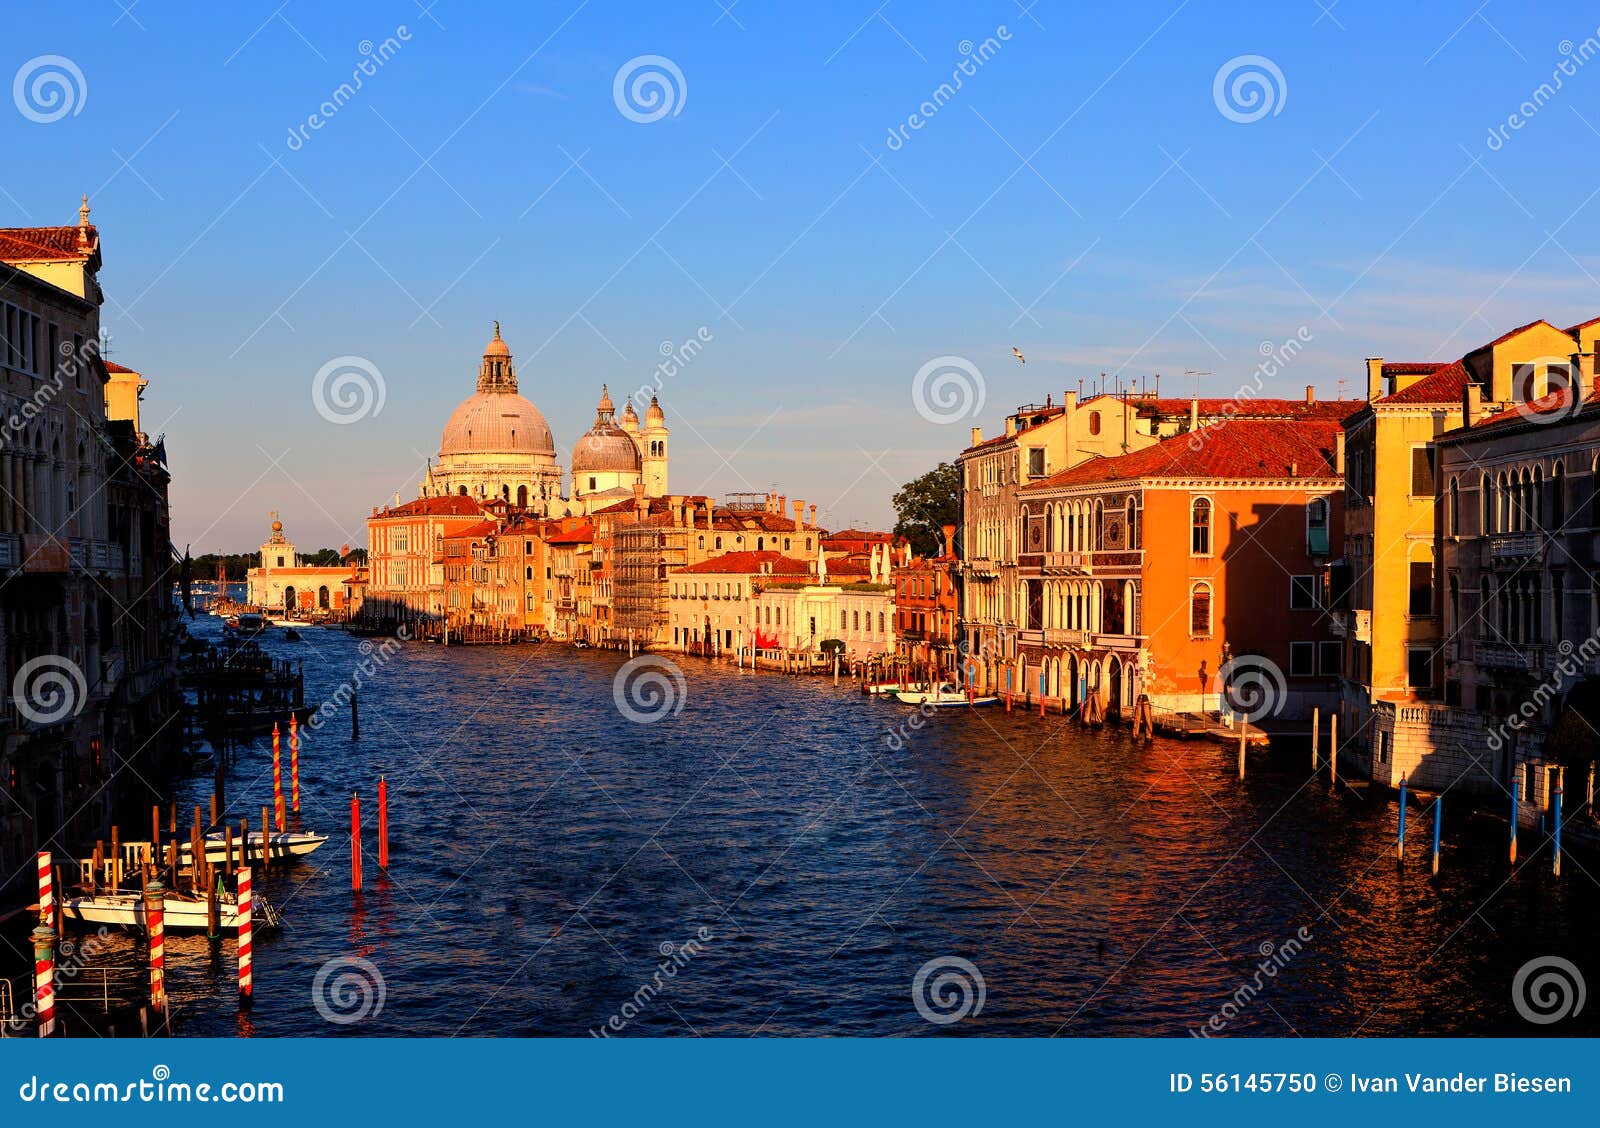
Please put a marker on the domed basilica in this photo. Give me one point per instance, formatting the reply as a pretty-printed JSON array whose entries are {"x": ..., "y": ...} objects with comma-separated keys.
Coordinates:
[{"x": 498, "y": 445}]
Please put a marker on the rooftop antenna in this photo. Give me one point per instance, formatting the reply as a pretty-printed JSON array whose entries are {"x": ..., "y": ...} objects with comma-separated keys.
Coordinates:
[
  {"x": 1196, "y": 373},
  {"x": 1158, "y": 385},
  {"x": 105, "y": 343}
]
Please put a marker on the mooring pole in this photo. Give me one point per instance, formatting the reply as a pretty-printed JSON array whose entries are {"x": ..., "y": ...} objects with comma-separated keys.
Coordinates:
[
  {"x": 44, "y": 979},
  {"x": 383, "y": 823},
  {"x": 1316, "y": 723},
  {"x": 294, "y": 762},
  {"x": 1556, "y": 869},
  {"x": 1400, "y": 839},
  {"x": 1241, "y": 751},
  {"x": 155, "y": 924},
  {"x": 355, "y": 841},
  {"x": 1516, "y": 807},
  {"x": 246, "y": 907},
  {"x": 1438, "y": 811},
  {"x": 47, "y": 898}
]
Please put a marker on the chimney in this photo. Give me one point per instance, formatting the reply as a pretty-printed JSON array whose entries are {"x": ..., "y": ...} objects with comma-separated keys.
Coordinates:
[
  {"x": 1471, "y": 403},
  {"x": 1582, "y": 375},
  {"x": 1311, "y": 394},
  {"x": 950, "y": 540},
  {"x": 1374, "y": 377},
  {"x": 977, "y": 435},
  {"x": 811, "y": 515},
  {"x": 1011, "y": 425},
  {"x": 1338, "y": 452},
  {"x": 799, "y": 514},
  {"x": 1194, "y": 414},
  {"x": 783, "y": 505},
  {"x": 676, "y": 502}
]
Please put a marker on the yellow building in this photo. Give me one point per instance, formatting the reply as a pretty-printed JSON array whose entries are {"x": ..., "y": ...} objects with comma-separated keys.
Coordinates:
[{"x": 1387, "y": 597}]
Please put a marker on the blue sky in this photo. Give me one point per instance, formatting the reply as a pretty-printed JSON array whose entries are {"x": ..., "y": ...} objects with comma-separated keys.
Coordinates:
[{"x": 1082, "y": 197}]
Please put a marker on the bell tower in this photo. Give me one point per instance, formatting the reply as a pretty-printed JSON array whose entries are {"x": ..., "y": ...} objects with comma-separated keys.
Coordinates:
[{"x": 653, "y": 449}]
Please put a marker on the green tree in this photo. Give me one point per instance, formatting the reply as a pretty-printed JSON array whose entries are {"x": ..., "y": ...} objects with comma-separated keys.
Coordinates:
[{"x": 925, "y": 505}]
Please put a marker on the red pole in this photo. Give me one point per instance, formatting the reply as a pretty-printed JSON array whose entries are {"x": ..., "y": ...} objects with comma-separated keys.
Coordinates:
[
  {"x": 279, "y": 818},
  {"x": 294, "y": 761},
  {"x": 383, "y": 823},
  {"x": 246, "y": 972},
  {"x": 355, "y": 841}
]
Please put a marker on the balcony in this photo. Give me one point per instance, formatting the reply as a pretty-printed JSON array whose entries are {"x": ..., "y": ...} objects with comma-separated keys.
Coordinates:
[
  {"x": 1066, "y": 638},
  {"x": 1500, "y": 656},
  {"x": 1075, "y": 563},
  {"x": 1514, "y": 548},
  {"x": 1124, "y": 642}
]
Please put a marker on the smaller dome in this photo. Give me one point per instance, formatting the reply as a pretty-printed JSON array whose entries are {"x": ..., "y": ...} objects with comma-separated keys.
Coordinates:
[
  {"x": 605, "y": 407},
  {"x": 605, "y": 448},
  {"x": 496, "y": 347},
  {"x": 654, "y": 416},
  {"x": 630, "y": 418}
]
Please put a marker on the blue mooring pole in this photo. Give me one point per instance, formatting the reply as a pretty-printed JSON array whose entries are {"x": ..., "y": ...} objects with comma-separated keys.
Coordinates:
[
  {"x": 1438, "y": 810},
  {"x": 1400, "y": 840},
  {"x": 1557, "y": 869}
]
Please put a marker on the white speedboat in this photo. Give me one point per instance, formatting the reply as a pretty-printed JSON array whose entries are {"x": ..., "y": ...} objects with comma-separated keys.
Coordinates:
[
  {"x": 180, "y": 912},
  {"x": 946, "y": 695},
  {"x": 289, "y": 844}
]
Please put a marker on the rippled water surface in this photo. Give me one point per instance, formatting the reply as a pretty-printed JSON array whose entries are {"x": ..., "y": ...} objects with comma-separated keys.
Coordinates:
[{"x": 545, "y": 851}]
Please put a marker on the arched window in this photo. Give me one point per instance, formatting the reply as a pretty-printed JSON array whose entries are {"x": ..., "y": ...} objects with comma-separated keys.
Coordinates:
[
  {"x": 1200, "y": 610},
  {"x": 1317, "y": 526},
  {"x": 1135, "y": 520},
  {"x": 1094, "y": 422},
  {"x": 1455, "y": 508},
  {"x": 1200, "y": 527}
]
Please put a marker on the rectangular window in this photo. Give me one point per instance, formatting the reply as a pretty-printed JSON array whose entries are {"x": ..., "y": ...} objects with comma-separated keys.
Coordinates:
[
  {"x": 1421, "y": 471},
  {"x": 1419, "y": 667},
  {"x": 1330, "y": 658},
  {"x": 1302, "y": 593},
  {"x": 1200, "y": 612},
  {"x": 1036, "y": 462},
  {"x": 1421, "y": 587},
  {"x": 1302, "y": 659}
]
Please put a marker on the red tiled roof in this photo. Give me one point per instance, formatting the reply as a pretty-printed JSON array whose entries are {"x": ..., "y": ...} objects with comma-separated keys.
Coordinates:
[
  {"x": 1239, "y": 407},
  {"x": 1413, "y": 367},
  {"x": 1238, "y": 448},
  {"x": 33, "y": 244},
  {"x": 481, "y": 529},
  {"x": 747, "y": 564},
  {"x": 1572, "y": 330},
  {"x": 583, "y": 534},
  {"x": 862, "y": 535},
  {"x": 1555, "y": 405},
  {"x": 448, "y": 505},
  {"x": 1445, "y": 385},
  {"x": 114, "y": 367}
]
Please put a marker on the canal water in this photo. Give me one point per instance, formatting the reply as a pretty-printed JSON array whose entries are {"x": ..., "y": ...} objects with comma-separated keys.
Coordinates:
[{"x": 778, "y": 856}]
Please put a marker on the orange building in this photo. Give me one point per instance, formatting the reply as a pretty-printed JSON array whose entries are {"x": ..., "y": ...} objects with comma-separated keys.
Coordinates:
[
  {"x": 1151, "y": 572},
  {"x": 927, "y": 600},
  {"x": 405, "y": 557}
]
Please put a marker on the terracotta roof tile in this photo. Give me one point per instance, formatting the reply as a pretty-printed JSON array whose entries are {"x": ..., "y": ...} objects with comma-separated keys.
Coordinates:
[
  {"x": 747, "y": 564},
  {"x": 33, "y": 244},
  {"x": 1238, "y": 448},
  {"x": 450, "y": 505},
  {"x": 1445, "y": 385}
]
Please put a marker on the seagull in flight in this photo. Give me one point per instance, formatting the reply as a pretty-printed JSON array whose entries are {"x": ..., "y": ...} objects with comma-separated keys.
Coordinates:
[{"x": 1016, "y": 352}]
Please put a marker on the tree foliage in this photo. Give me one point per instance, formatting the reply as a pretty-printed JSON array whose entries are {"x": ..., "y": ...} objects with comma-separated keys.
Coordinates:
[{"x": 925, "y": 505}]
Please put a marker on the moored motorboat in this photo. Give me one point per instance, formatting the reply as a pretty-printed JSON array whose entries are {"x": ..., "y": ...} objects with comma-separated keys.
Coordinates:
[
  {"x": 944, "y": 696},
  {"x": 180, "y": 912}
]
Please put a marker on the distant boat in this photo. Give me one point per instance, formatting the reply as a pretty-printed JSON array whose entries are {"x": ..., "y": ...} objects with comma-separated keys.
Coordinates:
[
  {"x": 945, "y": 696},
  {"x": 291, "y": 635}
]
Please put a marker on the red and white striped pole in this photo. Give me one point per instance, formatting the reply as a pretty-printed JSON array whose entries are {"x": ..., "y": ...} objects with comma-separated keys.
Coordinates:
[
  {"x": 246, "y": 978},
  {"x": 294, "y": 762},
  {"x": 44, "y": 979},
  {"x": 47, "y": 894},
  {"x": 155, "y": 922},
  {"x": 355, "y": 841},
  {"x": 278, "y": 816}
]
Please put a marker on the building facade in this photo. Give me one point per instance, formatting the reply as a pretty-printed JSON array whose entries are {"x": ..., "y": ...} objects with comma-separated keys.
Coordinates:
[{"x": 282, "y": 584}]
